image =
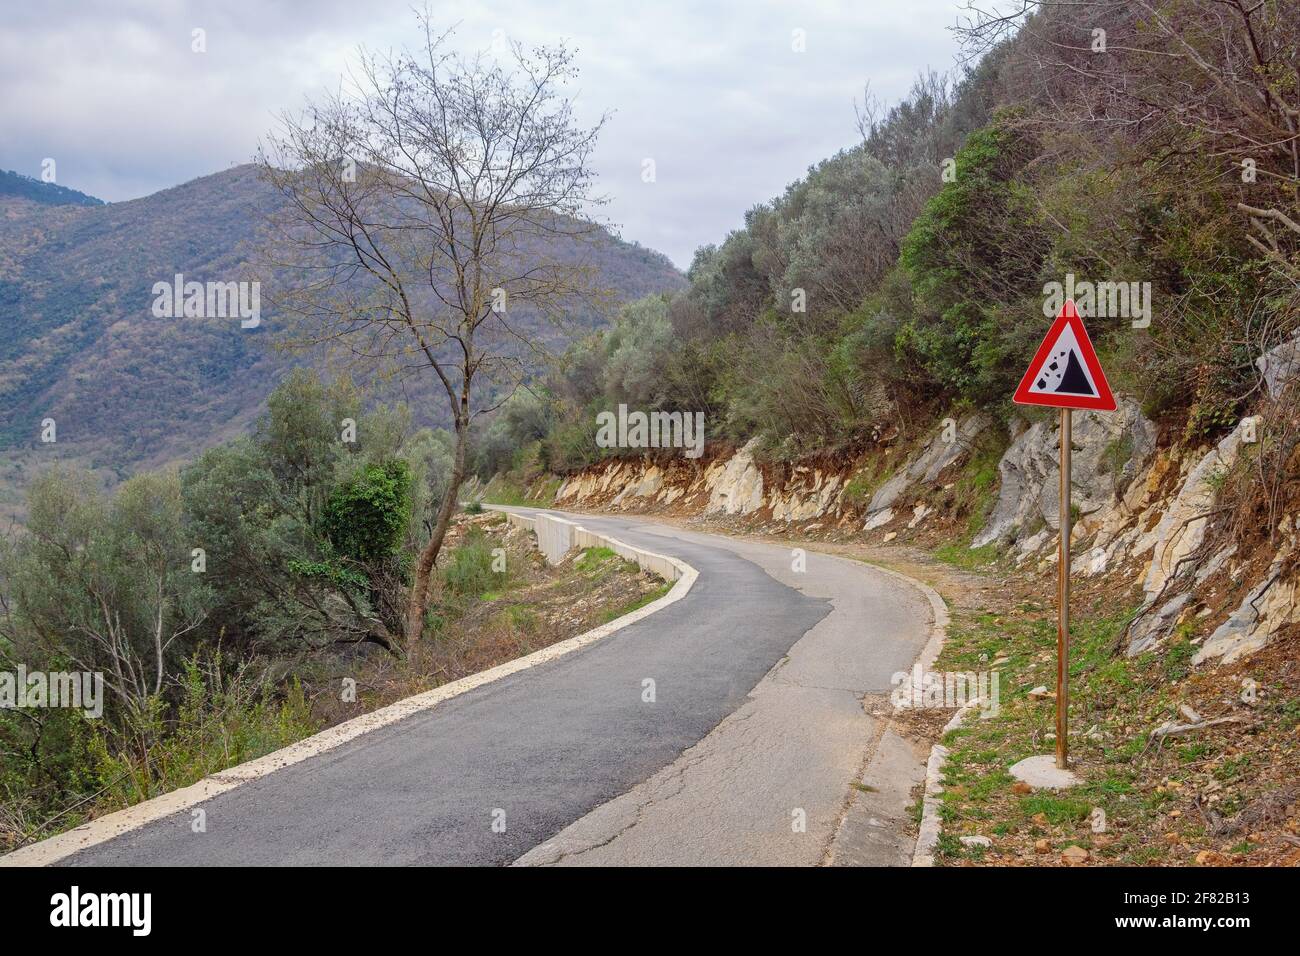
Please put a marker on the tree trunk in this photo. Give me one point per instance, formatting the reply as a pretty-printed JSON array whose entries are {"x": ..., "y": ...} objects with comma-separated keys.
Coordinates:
[{"x": 418, "y": 602}]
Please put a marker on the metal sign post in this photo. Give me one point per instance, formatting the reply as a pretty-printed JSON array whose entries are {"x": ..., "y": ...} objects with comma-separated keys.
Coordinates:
[
  {"x": 1063, "y": 602},
  {"x": 1065, "y": 374}
]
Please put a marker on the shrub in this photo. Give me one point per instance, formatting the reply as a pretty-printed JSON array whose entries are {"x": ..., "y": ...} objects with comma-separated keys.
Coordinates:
[
  {"x": 469, "y": 572},
  {"x": 365, "y": 518}
]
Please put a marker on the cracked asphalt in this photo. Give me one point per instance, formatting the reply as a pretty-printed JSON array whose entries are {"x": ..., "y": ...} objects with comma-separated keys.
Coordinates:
[{"x": 748, "y": 754}]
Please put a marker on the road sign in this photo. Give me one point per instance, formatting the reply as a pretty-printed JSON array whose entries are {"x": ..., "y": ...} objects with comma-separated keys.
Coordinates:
[{"x": 1065, "y": 373}]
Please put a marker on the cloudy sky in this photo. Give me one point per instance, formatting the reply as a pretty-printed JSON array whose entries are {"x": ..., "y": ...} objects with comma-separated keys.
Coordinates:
[{"x": 714, "y": 93}]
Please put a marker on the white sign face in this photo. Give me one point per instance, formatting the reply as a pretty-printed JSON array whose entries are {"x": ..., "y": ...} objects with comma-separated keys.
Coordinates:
[
  {"x": 1064, "y": 370},
  {"x": 1065, "y": 373}
]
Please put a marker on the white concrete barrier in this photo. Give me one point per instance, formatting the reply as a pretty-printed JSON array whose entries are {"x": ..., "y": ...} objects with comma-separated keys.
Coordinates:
[{"x": 557, "y": 537}]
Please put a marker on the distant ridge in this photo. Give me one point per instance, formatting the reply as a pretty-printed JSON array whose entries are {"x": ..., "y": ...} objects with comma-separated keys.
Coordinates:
[
  {"x": 51, "y": 194},
  {"x": 79, "y": 343}
]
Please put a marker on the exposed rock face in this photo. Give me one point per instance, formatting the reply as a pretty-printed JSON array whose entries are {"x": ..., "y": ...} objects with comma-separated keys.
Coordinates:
[
  {"x": 732, "y": 485},
  {"x": 1176, "y": 541},
  {"x": 933, "y": 459},
  {"x": 1110, "y": 449},
  {"x": 1143, "y": 512},
  {"x": 645, "y": 486},
  {"x": 590, "y": 484},
  {"x": 1182, "y": 529},
  {"x": 1280, "y": 365},
  {"x": 1149, "y": 628},
  {"x": 736, "y": 487},
  {"x": 1270, "y": 605},
  {"x": 810, "y": 494}
]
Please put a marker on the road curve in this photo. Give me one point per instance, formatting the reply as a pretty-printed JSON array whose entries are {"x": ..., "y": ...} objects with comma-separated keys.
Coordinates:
[{"x": 572, "y": 759}]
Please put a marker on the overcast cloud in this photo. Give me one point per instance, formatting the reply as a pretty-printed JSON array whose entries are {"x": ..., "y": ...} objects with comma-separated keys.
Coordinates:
[{"x": 714, "y": 92}]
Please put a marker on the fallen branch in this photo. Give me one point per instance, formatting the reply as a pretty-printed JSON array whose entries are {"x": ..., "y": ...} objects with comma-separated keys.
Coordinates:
[{"x": 1172, "y": 728}]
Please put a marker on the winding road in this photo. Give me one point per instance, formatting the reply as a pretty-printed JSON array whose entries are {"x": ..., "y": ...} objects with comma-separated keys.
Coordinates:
[{"x": 752, "y": 751}]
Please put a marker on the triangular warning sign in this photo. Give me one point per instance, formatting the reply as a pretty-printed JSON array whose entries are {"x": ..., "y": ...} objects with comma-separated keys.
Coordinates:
[{"x": 1065, "y": 373}]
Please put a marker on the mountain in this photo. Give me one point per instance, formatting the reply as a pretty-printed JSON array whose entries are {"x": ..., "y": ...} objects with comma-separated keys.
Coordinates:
[
  {"x": 49, "y": 194},
  {"x": 127, "y": 390}
]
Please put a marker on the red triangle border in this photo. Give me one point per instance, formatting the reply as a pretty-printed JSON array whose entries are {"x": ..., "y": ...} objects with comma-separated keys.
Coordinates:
[{"x": 1104, "y": 400}]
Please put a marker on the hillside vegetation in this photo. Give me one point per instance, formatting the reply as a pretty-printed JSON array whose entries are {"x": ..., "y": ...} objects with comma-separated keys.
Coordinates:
[
  {"x": 255, "y": 597},
  {"x": 906, "y": 276},
  {"x": 50, "y": 194}
]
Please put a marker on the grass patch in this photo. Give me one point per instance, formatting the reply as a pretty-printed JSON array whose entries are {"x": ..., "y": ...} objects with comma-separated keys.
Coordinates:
[
  {"x": 1109, "y": 692},
  {"x": 1179, "y": 654},
  {"x": 642, "y": 601},
  {"x": 599, "y": 562},
  {"x": 969, "y": 559},
  {"x": 591, "y": 559},
  {"x": 470, "y": 568},
  {"x": 1055, "y": 810}
]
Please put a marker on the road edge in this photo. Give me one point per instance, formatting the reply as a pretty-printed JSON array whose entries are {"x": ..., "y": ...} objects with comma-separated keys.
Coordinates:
[
  {"x": 102, "y": 829},
  {"x": 931, "y": 825},
  {"x": 926, "y": 658}
]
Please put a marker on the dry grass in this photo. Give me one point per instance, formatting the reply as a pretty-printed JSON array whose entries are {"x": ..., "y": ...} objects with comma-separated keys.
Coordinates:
[{"x": 531, "y": 606}]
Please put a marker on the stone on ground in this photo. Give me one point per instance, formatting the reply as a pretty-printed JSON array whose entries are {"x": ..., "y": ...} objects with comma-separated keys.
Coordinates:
[{"x": 1041, "y": 773}]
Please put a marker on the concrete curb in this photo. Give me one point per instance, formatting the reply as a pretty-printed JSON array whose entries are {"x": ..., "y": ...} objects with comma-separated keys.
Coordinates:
[
  {"x": 931, "y": 823},
  {"x": 115, "y": 824},
  {"x": 557, "y": 536},
  {"x": 928, "y": 836}
]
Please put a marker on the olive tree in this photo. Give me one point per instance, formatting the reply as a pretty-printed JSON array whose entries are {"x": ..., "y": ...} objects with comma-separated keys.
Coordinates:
[{"x": 106, "y": 585}]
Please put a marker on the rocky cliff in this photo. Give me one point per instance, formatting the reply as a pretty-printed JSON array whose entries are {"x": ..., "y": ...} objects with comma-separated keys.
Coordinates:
[{"x": 1150, "y": 518}]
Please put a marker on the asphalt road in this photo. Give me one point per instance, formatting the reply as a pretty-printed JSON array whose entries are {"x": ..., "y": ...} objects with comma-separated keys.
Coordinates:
[{"x": 548, "y": 747}]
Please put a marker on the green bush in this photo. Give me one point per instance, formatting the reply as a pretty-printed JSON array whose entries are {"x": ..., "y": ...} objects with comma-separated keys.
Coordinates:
[{"x": 365, "y": 518}]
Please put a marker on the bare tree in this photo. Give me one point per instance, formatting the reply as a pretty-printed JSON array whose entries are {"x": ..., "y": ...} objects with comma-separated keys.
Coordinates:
[{"x": 426, "y": 204}]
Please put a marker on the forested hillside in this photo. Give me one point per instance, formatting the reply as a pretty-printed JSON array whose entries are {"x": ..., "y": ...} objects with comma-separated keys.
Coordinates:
[
  {"x": 50, "y": 194},
  {"x": 907, "y": 275}
]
